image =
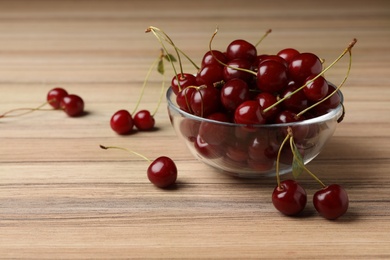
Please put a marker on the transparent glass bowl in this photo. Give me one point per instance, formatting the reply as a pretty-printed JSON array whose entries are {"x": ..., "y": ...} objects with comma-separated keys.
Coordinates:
[{"x": 250, "y": 152}]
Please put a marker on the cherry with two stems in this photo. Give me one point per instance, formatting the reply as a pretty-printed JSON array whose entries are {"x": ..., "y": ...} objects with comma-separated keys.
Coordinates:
[{"x": 162, "y": 171}]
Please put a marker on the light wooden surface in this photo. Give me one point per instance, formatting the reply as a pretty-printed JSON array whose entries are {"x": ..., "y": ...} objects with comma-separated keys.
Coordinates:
[{"x": 61, "y": 197}]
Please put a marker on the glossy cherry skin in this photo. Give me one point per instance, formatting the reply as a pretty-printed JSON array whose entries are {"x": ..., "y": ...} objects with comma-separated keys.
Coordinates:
[
  {"x": 241, "y": 49},
  {"x": 288, "y": 54},
  {"x": 143, "y": 120},
  {"x": 205, "y": 101},
  {"x": 249, "y": 113},
  {"x": 55, "y": 96},
  {"x": 289, "y": 198},
  {"x": 330, "y": 103},
  {"x": 122, "y": 122},
  {"x": 181, "y": 81},
  {"x": 331, "y": 202},
  {"x": 317, "y": 89},
  {"x": 266, "y": 100},
  {"x": 296, "y": 102},
  {"x": 304, "y": 65},
  {"x": 231, "y": 71},
  {"x": 212, "y": 58},
  {"x": 72, "y": 105},
  {"x": 271, "y": 76},
  {"x": 233, "y": 93},
  {"x": 162, "y": 172},
  {"x": 183, "y": 99},
  {"x": 209, "y": 75}
]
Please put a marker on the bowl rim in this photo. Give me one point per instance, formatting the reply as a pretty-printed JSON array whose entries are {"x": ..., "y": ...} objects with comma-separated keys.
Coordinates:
[{"x": 336, "y": 112}]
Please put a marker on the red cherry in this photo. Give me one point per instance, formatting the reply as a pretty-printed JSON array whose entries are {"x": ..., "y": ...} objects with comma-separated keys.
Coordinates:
[
  {"x": 289, "y": 198},
  {"x": 183, "y": 99},
  {"x": 271, "y": 76},
  {"x": 330, "y": 103},
  {"x": 304, "y": 65},
  {"x": 205, "y": 101},
  {"x": 241, "y": 49},
  {"x": 266, "y": 100},
  {"x": 185, "y": 80},
  {"x": 162, "y": 172},
  {"x": 143, "y": 120},
  {"x": 209, "y": 74},
  {"x": 122, "y": 122},
  {"x": 72, "y": 105},
  {"x": 288, "y": 54},
  {"x": 214, "y": 133},
  {"x": 55, "y": 96},
  {"x": 231, "y": 72},
  {"x": 233, "y": 93},
  {"x": 317, "y": 89},
  {"x": 208, "y": 58},
  {"x": 249, "y": 113},
  {"x": 331, "y": 202},
  {"x": 296, "y": 102}
]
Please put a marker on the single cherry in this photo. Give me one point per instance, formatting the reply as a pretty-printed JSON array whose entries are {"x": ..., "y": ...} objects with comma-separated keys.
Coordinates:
[
  {"x": 331, "y": 201},
  {"x": 304, "y": 65},
  {"x": 271, "y": 76},
  {"x": 162, "y": 172},
  {"x": 288, "y": 54},
  {"x": 233, "y": 93},
  {"x": 143, "y": 120},
  {"x": 316, "y": 89},
  {"x": 249, "y": 113},
  {"x": 205, "y": 101},
  {"x": 214, "y": 57},
  {"x": 122, "y": 122},
  {"x": 241, "y": 49},
  {"x": 289, "y": 197},
  {"x": 73, "y": 105},
  {"x": 54, "y": 97},
  {"x": 181, "y": 81}
]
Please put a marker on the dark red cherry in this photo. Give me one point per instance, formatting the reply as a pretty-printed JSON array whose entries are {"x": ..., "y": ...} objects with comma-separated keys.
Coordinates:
[
  {"x": 207, "y": 150},
  {"x": 209, "y": 59},
  {"x": 55, "y": 96},
  {"x": 275, "y": 58},
  {"x": 287, "y": 116},
  {"x": 317, "y": 89},
  {"x": 212, "y": 132},
  {"x": 162, "y": 172},
  {"x": 185, "y": 80},
  {"x": 331, "y": 202},
  {"x": 241, "y": 49},
  {"x": 304, "y": 65},
  {"x": 288, "y": 54},
  {"x": 233, "y": 93},
  {"x": 143, "y": 120},
  {"x": 289, "y": 198},
  {"x": 205, "y": 101},
  {"x": 271, "y": 76},
  {"x": 209, "y": 75},
  {"x": 183, "y": 99},
  {"x": 330, "y": 103},
  {"x": 296, "y": 102},
  {"x": 249, "y": 113},
  {"x": 230, "y": 71},
  {"x": 72, "y": 105},
  {"x": 266, "y": 100},
  {"x": 122, "y": 122}
]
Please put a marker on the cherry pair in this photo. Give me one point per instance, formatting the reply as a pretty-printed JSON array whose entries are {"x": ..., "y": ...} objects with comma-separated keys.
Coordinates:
[
  {"x": 290, "y": 198},
  {"x": 59, "y": 99},
  {"x": 122, "y": 122}
]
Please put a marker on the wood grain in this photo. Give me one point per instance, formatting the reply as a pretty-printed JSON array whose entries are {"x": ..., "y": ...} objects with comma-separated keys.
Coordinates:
[{"x": 61, "y": 197}]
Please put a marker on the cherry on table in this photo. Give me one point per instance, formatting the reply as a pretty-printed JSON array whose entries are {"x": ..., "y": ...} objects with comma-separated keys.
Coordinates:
[
  {"x": 73, "y": 105},
  {"x": 122, "y": 122},
  {"x": 289, "y": 197},
  {"x": 54, "y": 97},
  {"x": 331, "y": 201},
  {"x": 143, "y": 120}
]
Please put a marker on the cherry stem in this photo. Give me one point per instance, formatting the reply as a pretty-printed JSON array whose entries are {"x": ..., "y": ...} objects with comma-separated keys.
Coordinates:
[
  {"x": 301, "y": 164},
  {"x": 278, "y": 159},
  {"x": 222, "y": 63},
  {"x": 161, "y": 95},
  {"x": 177, "y": 49},
  {"x": 347, "y": 50},
  {"x": 124, "y": 149},
  {"x": 263, "y": 37},
  {"x": 146, "y": 80},
  {"x": 30, "y": 110}
]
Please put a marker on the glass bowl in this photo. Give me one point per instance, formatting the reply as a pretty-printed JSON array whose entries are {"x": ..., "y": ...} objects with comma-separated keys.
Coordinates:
[{"x": 251, "y": 151}]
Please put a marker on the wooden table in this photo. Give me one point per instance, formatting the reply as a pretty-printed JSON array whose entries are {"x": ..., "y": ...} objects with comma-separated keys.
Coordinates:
[{"x": 61, "y": 197}]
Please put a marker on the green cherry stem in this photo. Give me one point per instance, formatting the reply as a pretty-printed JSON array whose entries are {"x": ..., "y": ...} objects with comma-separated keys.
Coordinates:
[
  {"x": 277, "y": 169},
  {"x": 347, "y": 50},
  {"x": 263, "y": 37},
  {"x": 30, "y": 110},
  {"x": 301, "y": 164},
  {"x": 222, "y": 63},
  {"x": 124, "y": 149},
  {"x": 146, "y": 80}
]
